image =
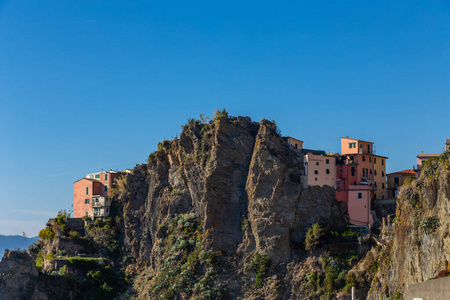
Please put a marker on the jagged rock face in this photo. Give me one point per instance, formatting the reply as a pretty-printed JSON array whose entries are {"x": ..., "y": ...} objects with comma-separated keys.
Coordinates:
[
  {"x": 228, "y": 172},
  {"x": 421, "y": 245},
  {"x": 17, "y": 276}
]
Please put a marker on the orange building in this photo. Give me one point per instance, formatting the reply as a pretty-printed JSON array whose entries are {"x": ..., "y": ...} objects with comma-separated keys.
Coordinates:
[{"x": 91, "y": 194}]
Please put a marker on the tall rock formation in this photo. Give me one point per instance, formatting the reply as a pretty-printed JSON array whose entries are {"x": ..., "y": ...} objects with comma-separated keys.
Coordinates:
[{"x": 421, "y": 245}]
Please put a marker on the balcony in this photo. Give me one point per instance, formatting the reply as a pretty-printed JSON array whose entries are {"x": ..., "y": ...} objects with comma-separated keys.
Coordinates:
[
  {"x": 100, "y": 213},
  {"x": 98, "y": 201}
]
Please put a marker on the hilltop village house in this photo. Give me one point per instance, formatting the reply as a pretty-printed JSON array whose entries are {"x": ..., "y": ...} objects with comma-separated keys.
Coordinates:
[
  {"x": 395, "y": 181},
  {"x": 358, "y": 175},
  {"x": 91, "y": 194}
]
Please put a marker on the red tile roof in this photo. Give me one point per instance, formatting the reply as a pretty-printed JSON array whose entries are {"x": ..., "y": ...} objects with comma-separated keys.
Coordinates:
[{"x": 404, "y": 172}]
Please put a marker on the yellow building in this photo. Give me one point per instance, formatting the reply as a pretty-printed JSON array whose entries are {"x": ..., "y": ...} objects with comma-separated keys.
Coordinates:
[
  {"x": 295, "y": 143},
  {"x": 379, "y": 167}
]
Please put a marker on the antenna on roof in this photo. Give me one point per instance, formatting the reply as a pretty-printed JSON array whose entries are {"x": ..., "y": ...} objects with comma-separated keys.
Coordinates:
[{"x": 347, "y": 136}]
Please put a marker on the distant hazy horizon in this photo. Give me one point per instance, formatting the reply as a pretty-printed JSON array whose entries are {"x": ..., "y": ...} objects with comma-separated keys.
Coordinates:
[{"x": 12, "y": 242}]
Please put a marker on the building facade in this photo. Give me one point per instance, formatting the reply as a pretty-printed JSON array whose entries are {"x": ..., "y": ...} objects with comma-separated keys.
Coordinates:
[
  {"x": 320, "y": 169},
  {"x": 396, "y": 180},
  {"x": 361, "y": 179},
  {"x": 91, "y": 194},
  {"x": 295, "y": 143}
]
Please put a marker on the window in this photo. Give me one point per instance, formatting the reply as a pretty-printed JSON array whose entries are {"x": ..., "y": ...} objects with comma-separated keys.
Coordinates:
[
  {"x": 106, "y": 177},
  {"x": 370, "y": 171},
  {"x": 352, "y": 145},
  {"x": 106, "y": 188},
  {"x": 370, "y": 159},
  {"x": 364, "y": 158},
  {"x": 306, "y": 163},
  {"x": 374, "y": 160},
  {"x": 87, "y": 214},
  {"x": 317, "y": 163},
  {"x": 97, "y": 176},
  {"x": 382, "y": 162},
  {"x": 316, "y": 172},
  {"x": 359, "y": 195},
  {"x": 327, "y": 161},
  {"x": 315, "y": 179},
  {"x": 354, "y": 182},
  {"x": 107, "y": 209},
  {"x": 396, "y": 181},
  {"x": 382, "y": 186},
  {"x": 328, "y": 171},
  {"x": 86, "y": 201},
  {"x": 368, "y": 148},
  {"x": 352, "y": 158},
  {"x": 353, "y": 171},
  {"x": 87, "y": 190},
  {"x": 295, "y": 146},
  {"x": 382, "y": 173},
  {"x": 375, "y": 172}
]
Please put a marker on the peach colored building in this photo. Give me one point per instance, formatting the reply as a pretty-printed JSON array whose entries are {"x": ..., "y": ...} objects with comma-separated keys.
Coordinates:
[
  {"x": 91, "y": 194},
  {"x": 320, "y": 169},
  {"x": 395, "y": 180},
  {"x": 295, "y": 143}
]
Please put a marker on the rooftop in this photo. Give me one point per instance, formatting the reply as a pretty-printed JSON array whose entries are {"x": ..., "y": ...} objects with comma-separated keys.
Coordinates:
[
  {"x": 428, "y": 155},
  {"x": 404, "y": 172},
  {"x": 348, "y": 138}
]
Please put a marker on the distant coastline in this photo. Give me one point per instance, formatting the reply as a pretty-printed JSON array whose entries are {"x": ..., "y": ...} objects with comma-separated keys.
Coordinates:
[{"x": 12, "y": 242}]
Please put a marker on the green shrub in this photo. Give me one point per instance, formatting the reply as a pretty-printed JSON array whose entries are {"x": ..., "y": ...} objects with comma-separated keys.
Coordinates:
[
  {"x": 430, "y": 224},
  {"x": 219, "y": 114},
  {"x": 47, "y": 234},
  {"x": 85, "y": 264},
  {"x": 409, "y": 180},
  {"x": 314, "y": 236},
  {"x": 62, "y": 217},
  {"x": 74, "y": 234},
  {"x": 187, "y": 268},
  {"x": 86, "y": 219},
  {"x": 260, "y": 264}
]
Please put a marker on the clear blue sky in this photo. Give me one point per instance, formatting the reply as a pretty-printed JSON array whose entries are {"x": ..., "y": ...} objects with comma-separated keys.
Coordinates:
[{"x": 86, "y": 85}]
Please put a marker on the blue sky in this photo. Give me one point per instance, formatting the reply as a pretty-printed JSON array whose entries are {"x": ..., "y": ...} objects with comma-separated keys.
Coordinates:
[{"x": 86, "y": 85}]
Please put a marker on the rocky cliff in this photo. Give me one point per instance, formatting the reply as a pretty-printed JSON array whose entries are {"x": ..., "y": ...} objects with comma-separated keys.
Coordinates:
[
  {"x": 420, "y": 248},
  {"x": 241, "y": 181},
  {"x": 218, "y": 213}
]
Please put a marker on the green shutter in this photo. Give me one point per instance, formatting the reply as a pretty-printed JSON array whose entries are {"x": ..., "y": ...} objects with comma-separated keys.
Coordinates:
[
  {"x": 106, "y": 177},
  {"x": 87, "y": 190}
]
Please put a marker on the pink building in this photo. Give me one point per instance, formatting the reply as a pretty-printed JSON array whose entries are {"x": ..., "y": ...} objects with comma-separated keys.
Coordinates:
[
  {"x": 91, "y": 194},
  {"x": 360, "y": 179}
]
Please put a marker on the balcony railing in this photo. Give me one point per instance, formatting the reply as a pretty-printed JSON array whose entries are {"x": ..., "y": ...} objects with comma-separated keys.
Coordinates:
[
  {"x": 101, "y": 202},
  {"x": 100, "y": 213}
]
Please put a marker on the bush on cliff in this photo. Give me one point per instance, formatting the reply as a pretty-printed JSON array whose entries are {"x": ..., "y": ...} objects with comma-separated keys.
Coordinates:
[{"x": 314, "y": 236}]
